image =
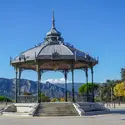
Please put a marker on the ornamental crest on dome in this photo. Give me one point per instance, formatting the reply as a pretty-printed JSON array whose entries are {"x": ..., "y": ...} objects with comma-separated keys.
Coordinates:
[{"x": 55, "y": 56}]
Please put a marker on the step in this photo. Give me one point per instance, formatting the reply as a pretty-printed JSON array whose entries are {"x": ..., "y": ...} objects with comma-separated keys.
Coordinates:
[
  {"x": 14, "y": 114},
  {"x": 56, "y": 109}
]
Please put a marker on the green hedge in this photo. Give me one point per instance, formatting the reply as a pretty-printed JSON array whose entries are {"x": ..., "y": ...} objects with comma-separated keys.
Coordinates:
[{"x": 3, "y": 98}]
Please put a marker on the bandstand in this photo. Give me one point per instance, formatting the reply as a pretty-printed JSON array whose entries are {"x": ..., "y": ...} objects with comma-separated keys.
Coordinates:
[{"x": 52, "y": 55}]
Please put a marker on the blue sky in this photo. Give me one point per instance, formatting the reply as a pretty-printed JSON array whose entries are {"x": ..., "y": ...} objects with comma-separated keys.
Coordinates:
[{"x": 94, "y": 26}]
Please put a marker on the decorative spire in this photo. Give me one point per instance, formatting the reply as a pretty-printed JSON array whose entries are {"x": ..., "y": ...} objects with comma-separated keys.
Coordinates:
[
  {"x": 53, "y": 20},
  {"x": 53, "y": 36}
]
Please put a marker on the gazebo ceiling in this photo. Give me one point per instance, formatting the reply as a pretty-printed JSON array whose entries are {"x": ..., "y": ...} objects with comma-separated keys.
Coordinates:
[
  {"x": 54, "y": 65},
  {"x": 53, "y": 53}
]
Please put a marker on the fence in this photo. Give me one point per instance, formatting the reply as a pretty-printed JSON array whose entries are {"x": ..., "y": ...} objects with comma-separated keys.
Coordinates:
[{"x": 26, "y": 99}]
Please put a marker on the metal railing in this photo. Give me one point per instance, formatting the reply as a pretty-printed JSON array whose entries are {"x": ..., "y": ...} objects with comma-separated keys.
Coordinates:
[
  {"x": 83, "y": 98},
  {"x": 26, "y": 99}
]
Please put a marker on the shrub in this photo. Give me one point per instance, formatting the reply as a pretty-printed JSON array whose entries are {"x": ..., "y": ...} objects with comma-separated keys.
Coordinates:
[
  {"x": 44, "y": 98},
  {"x": 3, "y": 98}
]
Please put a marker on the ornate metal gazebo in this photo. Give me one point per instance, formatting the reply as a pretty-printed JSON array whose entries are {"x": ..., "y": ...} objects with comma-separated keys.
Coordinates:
[{"x": 53, "y": 54}]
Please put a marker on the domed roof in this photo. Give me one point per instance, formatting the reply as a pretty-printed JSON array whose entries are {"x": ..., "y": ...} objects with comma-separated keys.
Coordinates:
[{"x": 54, "y": 49}]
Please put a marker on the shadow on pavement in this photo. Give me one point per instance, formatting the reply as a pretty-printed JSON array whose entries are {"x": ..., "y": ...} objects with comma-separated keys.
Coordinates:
[{"x": 117, "y": 111}]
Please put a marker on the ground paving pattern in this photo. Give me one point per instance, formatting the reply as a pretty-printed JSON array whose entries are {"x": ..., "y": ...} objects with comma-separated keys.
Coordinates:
[
  {"x": 110, "y": 119},
  {"x": 3, "y": 104}
]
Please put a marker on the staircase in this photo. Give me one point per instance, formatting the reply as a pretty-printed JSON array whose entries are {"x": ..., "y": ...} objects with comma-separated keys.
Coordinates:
[
  {"x": 56, "y": 109},
  {"x": 89, "y": 108}
]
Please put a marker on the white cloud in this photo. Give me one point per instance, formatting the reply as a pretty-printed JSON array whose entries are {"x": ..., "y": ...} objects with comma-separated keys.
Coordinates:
[{"x": 61, "y": 80}]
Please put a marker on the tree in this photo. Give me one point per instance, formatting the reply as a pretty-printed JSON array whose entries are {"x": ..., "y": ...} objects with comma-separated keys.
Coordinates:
[
  {"x": 122, "y": 74},
  {"x": 5, "y": 99},
  {"x": 44, "y": 98},
  {"x": 119, "y": 89},
  {"x": 105, "y": 91},
  {"x": 83, "y": 88}
]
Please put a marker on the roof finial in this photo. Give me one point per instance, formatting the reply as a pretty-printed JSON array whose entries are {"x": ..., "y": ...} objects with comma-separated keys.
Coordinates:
[{"x": 53, "y": 20}]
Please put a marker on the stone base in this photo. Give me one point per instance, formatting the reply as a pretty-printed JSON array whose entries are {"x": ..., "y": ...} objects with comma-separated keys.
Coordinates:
[
  {"x": 20, "y": 109},
  {"x": 56, "y": 109},
  {"x": 88, "y": 108}
]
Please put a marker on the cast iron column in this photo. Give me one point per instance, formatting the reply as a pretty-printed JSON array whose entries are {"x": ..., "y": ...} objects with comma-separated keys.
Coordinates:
[
  {"x": 92, "y": 84},
  {"x": 40, "y": 74},
  {"x": 38, "y": 82},
  {"x": 20, "y": 71},
  {"x": 73, "y": 96},
  {"x": 86, "y": 73},
  {"x": 65, "y": 75},
  {"x": 16, "y": 91}
]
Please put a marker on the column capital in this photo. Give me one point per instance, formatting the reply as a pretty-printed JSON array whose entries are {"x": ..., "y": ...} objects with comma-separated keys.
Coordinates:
[
  {"x": 21, "y": 69},
  {"x": 72, "y": 65},
  {"x": 37, "y": 67},
  {"x": 85, "y": 68},
  {"x": 86, "y": 71},
  {"x": 43, "y": 71},
  {"x": 16, "y": 69},
  {"x": 65, "y": 72}
]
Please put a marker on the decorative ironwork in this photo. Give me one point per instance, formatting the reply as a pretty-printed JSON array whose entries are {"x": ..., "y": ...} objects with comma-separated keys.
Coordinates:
[
  {"x": 55, "y": 66},
  {"x": 68, "y": 44},
  {"x": 22, "y": 57},
  {"x": 85, "y": 55},
  {"x": 26, "y": 98},
  {"x": 53, "y": 20},
  {"x": 55, "y": 56}
]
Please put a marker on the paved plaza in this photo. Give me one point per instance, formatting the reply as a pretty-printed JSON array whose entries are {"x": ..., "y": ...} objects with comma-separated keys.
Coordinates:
[
  {"x": 110, "y": 119},
  {"x": 117, "y": 117},
  {"x": 3, "y": 105}
]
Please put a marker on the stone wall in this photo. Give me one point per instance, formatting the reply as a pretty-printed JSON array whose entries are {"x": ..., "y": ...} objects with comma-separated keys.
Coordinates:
[{"x": 10, "y": 108}]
